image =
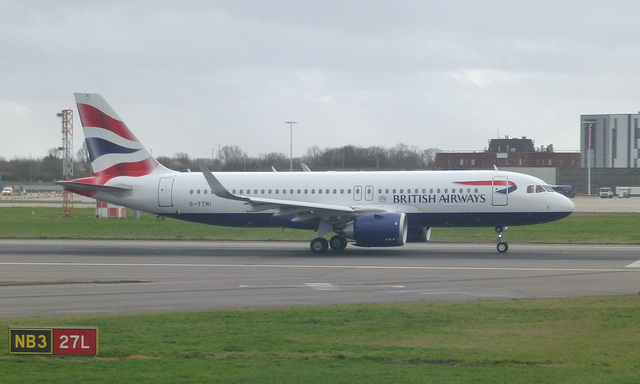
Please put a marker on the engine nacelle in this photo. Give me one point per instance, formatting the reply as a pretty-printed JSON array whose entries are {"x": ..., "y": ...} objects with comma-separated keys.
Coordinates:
[
  {"x": 419, "y": 234},
  {"x": 387, "y": 229}
]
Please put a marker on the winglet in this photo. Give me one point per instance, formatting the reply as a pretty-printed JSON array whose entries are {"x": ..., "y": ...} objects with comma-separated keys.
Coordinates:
[{"x": 216, "y": 186}]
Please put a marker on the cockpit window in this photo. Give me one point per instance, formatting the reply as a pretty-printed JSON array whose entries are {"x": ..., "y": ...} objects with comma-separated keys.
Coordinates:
[
  {"x": 548, "y": 188},
  {"x": 539, "y": 188}
]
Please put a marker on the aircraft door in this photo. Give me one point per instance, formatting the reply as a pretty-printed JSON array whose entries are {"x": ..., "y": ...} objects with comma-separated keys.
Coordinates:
[
  {"x": 368, "y": 193},
  {"x": 165, "y": 191},
  {"x": 357, "y": 192},
  {"x": 500, "y": 190}
]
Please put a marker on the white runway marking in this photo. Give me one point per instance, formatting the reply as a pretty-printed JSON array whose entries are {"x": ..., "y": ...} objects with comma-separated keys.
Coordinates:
[
  {"x": 294, "y": 266},
  {"x": 635, "y": 264},
  {"x": 323, "y": 286}
]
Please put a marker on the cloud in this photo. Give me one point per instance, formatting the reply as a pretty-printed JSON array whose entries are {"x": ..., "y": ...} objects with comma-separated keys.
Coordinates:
[{"x": 193, "y": 75}]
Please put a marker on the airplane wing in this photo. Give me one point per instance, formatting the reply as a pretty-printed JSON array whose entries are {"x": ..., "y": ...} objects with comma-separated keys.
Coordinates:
[{"x": 301, "y": 210}]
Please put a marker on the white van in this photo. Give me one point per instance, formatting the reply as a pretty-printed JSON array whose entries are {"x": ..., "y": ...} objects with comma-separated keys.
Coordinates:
[{"x": 606, "y": 192}]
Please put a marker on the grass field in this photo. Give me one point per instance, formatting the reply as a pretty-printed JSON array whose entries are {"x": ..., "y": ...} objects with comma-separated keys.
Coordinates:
[
  {"x": 586, "y": 340},
  {"x": 47, "y": 223}
]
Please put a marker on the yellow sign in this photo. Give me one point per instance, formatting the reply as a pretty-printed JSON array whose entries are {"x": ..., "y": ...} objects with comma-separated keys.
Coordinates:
[{"x": 31, "y": 341}]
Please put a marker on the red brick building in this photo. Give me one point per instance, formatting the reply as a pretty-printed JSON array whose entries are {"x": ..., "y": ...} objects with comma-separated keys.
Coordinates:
[{"x": 509, "y": 153}]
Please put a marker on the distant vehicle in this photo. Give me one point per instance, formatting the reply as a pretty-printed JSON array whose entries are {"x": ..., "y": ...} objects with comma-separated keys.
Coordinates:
[
  {"x": 623, "y": 192},
  {"x": 606, "y": 192},
  {"x": 566, "y": 190},
  {"x": 7, "y": 191}
]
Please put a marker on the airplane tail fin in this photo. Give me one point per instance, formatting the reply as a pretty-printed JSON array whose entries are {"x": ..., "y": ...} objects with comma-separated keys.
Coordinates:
[{"x": 113, "y": 149}]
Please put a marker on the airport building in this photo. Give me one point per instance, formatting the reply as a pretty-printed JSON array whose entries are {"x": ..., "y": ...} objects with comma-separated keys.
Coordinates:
[
  {"x": 508, "y": 152},
  {"x": 610, "y": 141}
]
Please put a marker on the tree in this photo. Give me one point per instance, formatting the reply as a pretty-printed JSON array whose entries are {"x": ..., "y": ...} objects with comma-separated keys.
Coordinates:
[{"x": 233, "y": 157}]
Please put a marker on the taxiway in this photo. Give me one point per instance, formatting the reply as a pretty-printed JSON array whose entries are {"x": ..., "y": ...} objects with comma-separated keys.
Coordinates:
[{"x": 60, "y": 277}]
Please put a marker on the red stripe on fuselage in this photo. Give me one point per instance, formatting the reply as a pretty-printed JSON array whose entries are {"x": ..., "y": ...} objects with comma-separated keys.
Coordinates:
[
  {"x": 487, "y": 182},
  {"x": 137, "y": 169}
]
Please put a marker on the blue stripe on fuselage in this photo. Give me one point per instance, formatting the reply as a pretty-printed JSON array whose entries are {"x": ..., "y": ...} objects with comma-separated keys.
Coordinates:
[{"x": 480, "y": 219}]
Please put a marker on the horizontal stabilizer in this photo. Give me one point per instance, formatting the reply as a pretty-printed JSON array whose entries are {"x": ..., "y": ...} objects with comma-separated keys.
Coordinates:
[{"x": 92, "y": 187}]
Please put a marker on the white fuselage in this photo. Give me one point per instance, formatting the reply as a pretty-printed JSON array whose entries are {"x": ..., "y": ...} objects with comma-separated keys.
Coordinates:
[{"x": 429, "y": 198}]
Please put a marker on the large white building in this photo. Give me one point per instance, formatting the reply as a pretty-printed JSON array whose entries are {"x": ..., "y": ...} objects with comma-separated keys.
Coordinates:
[{"x": 610, "y": 141}]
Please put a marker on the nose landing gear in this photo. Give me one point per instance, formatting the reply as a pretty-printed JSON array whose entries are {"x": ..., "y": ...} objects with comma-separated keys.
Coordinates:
[{"x": 502, "y": 245}]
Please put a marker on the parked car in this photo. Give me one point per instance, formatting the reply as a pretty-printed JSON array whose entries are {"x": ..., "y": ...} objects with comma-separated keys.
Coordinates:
[
  {"x": 606, "y": 192},
  {"x": 7, "y": 191},
  {"x": 566, "y": 190}
]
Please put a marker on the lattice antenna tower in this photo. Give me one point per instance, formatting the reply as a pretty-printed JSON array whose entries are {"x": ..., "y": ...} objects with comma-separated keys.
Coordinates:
[{"x": 67, "y": 158}]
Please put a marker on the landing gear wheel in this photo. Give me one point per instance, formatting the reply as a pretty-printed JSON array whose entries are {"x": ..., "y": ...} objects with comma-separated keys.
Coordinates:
[
  {"x": 503, "y": 247},
  {"x": 319, "y": 245},
  {"x": 338, "y": 243}
]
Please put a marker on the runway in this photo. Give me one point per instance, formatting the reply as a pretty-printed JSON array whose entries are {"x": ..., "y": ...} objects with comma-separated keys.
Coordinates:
[{"x": 62, "y": 277}]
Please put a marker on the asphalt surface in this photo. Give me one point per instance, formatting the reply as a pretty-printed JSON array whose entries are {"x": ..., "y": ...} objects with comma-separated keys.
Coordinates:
[{"x": 51, "y": 277}]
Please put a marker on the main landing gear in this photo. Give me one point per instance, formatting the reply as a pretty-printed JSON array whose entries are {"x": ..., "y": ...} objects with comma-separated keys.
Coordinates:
[
  {"x": 502, "y": 246},
  {"x": 321, "y": 245}
]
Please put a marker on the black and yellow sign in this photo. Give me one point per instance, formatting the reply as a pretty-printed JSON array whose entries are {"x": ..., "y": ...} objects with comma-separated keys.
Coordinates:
[
  {"x": 31, "y": 341},
  {"x": 53, "y": 341}
]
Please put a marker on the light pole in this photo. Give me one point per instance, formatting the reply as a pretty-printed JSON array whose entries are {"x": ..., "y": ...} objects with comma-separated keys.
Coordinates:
[
  {"x": 589, "y": 124},
  {"x": 291, "y": 143}
]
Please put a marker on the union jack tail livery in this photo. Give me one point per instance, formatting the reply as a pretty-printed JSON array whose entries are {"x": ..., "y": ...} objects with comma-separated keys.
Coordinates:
[
  {"x": 113, "y": 149},
  {"x": 370, "y": 209}
]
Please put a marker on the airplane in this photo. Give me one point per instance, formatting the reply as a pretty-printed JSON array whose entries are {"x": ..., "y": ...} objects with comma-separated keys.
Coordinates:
[{"x": 372, "y": 209}]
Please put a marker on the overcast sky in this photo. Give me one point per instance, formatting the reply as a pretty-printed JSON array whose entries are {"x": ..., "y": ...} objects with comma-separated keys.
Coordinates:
[{"x": 188, "y": 76}]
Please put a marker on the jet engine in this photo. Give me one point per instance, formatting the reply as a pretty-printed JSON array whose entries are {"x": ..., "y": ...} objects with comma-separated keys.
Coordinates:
[
  {"x": 387, "y": 229},
  {"x": 419, "y": 235}
]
